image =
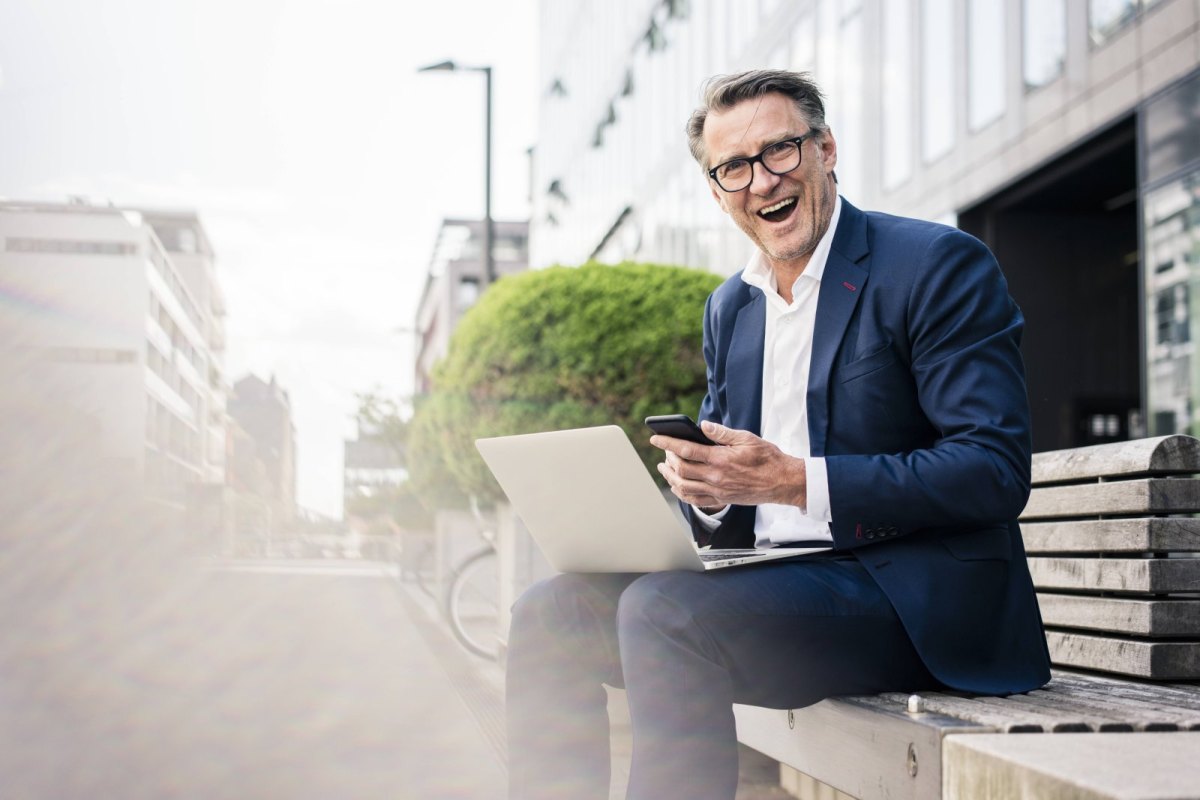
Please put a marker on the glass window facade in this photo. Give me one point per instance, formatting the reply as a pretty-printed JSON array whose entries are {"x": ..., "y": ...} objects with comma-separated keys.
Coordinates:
[
  {"x": 804, "y": 50},
  {"x": 1107, "y": 17},
  {"x": 848, "y": 97},
  {"x": 986, "y": 68},
  {"x": 897, "y": 137},
  {"x": 1044, "y": 40},
  {"x": 1172, "y": 131},
  {"x": 937, "y": 78},
  {"x": 1171, "y": 247},
  {"x": 906, "y": 81}
]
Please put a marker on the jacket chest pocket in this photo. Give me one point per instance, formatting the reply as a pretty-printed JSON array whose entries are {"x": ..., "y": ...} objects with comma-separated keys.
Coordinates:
[
  {"x": 875, "y": 397},
  {"x": 875, "y": 360}
]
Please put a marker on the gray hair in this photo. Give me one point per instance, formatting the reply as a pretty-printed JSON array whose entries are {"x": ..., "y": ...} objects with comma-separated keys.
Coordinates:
[{"x": 723, "y": 92}]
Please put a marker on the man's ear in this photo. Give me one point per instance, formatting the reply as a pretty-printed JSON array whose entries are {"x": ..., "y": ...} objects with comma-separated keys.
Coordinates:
[{"x": 828, "y": 146}]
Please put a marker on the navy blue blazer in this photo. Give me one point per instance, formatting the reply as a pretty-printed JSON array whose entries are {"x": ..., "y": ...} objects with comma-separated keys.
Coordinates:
[{"x": 916, "y": 399}]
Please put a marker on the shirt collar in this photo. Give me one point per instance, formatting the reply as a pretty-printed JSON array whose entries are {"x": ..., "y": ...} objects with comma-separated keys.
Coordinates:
[{"x": 758, "y": 272}]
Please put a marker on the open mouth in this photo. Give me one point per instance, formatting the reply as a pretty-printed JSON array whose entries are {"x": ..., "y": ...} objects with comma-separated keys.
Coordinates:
[{"x": 778, "y": 211}]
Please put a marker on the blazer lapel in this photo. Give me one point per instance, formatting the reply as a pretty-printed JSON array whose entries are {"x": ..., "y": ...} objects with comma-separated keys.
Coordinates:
[
  {"x": 743, "y": 367},
  {"x": 842, "y": 284}
]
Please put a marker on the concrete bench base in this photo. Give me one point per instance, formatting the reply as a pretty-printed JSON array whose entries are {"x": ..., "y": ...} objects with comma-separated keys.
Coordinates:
[
  {"x": 1129, "y": 766},
  {"x": 864, "y": 752},
  {"x": 895, "y": 746}
]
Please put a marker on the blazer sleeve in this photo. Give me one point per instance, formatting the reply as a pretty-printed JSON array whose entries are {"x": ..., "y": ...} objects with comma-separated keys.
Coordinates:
[{"x": 965, "y": 332}]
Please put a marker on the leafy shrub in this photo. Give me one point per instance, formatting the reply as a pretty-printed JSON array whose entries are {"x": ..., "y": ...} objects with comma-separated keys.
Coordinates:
[{"x": 561, "y": 348}]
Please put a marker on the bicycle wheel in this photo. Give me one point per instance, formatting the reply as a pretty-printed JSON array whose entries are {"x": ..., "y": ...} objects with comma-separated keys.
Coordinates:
[{"x": 474, "y": 604}]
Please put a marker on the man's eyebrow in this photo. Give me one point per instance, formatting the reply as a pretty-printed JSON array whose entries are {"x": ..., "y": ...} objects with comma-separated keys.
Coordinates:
[{"x": 783, "y": 137}]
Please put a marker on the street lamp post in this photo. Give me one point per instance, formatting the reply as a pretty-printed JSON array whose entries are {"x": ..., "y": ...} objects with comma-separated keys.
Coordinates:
[{"x": 488, "y": 231}]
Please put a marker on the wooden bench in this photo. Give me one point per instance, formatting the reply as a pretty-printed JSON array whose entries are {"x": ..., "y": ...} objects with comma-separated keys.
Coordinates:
[{"x": 1112, "y": 545}]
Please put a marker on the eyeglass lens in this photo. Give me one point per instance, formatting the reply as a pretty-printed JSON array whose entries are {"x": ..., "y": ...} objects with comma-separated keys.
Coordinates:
[{"x": 778, "y": 158}]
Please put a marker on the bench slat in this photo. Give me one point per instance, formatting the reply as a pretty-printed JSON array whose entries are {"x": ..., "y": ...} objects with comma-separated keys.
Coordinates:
[
  {"x": 1147, "y": 575},
  {"x": 1128, "y": 616},
  {"x": 972, "y": 710},
  {"x": 1161, "y": 455},
  {"x": 999, "y": 713},
  {"x": 1141, "y": 496},
  {"x": 1095, "y": 717},
  {"x": 1070, "y": 696},
  {"x": 1145, "y": 535},
  {"x": 1186, "y": 696},
  {"x": 1143, "y": 713},
  {"x": 1143, "y": 659}
]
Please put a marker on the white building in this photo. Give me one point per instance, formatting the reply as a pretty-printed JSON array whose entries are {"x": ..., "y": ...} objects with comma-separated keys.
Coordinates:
[
  {"x": 455, "y": 280},
  {"x": 125, "y": 331},
  {"x": 190, "y": 251},
  {"x": 1064, "y": 133}
]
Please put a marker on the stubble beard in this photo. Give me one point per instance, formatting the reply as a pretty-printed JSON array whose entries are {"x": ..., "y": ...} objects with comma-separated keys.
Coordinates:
[{"x": 820, "y": 216}]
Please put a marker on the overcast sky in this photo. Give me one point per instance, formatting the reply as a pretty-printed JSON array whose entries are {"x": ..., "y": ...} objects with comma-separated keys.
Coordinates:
[{"x": 320, "y": 162}]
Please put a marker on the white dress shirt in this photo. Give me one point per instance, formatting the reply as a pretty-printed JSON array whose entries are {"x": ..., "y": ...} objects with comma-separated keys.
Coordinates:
[{"x": 787, "y": 354}]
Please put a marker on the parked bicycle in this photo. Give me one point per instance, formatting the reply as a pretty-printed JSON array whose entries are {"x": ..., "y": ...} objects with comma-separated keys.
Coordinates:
[
  {"x": 473, "y": 595},
  {"x": 469, "y": 596}
]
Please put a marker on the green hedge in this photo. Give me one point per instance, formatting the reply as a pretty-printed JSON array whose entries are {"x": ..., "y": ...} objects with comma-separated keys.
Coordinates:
[{"x": 561, "y": 348}]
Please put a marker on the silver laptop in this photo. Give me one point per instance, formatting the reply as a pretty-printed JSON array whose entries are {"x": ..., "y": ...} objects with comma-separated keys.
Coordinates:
[{"x": 591, "y": 506}]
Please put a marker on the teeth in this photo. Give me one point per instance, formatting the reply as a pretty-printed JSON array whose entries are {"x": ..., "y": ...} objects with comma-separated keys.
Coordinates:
[{"x": 781, "y": 204}]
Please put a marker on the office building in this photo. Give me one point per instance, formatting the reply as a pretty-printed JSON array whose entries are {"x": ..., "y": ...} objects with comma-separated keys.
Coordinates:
[
  {"x": 120, "y": 328},
  {"x": 187, "y": 244},
  {"x": 265, "y": 449},
  {"x": 1064, "y": 133},
  {"x": 456, "y": 278}
]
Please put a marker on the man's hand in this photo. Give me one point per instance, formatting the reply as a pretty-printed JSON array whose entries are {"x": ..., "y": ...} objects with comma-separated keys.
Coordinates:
[{"x": 742, "y": 469}]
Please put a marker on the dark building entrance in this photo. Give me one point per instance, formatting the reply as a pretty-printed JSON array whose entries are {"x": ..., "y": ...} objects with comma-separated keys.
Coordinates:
[{"x": 1067, "y": 241}]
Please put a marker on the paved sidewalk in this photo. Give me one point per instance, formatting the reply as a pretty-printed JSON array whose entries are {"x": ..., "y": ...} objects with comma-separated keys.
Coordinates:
[
  {"x": 125, "y": 672},
  {"x": 308, "y": 681},
  {"x": 484, "y": 686},
  {"x": 759, "y": 778}
]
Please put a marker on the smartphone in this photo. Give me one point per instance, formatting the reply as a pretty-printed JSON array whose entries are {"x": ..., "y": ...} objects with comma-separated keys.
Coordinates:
[{"x": 679, "y": 426}]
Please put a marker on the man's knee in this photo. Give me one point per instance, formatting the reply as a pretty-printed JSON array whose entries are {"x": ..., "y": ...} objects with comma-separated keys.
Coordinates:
[
  {"x": 546, "y": 598},
  {"x": 664, "y": 602},
  {"x": 569, "y": 604}
]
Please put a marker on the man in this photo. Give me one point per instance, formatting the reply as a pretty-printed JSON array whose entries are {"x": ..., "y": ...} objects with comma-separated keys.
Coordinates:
[{"x": 865, "y": 387}]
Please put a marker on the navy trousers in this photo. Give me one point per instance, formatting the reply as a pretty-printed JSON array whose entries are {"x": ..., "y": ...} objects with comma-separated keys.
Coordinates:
[{"x": 686, "y": 646}]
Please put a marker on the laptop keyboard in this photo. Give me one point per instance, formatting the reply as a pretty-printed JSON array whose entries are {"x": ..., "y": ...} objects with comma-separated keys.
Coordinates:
[{"x": 721, "y": 555}]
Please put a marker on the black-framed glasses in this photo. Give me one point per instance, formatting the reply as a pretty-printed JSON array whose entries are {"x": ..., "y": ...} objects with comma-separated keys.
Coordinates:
[{"x": 778, "y": 159}]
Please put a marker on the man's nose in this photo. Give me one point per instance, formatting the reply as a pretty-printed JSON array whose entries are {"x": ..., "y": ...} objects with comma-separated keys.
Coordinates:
[{"x": 762, "y": 180}]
